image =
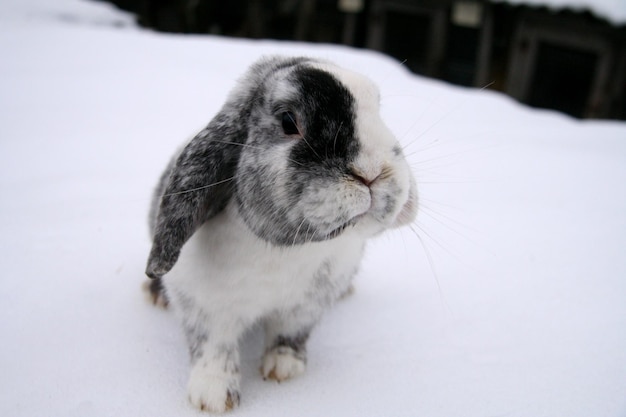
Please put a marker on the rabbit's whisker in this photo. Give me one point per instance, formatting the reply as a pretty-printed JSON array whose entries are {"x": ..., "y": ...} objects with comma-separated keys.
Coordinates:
[
  {"x": 431, "y": 263},
  {"x": 303, "y": 137},
  {"x": 295, "y": 237},
  {"x": 335, "y": 140},
  {"x": 246, "y": 145},
  {"x": 310, "y": 235},
  {"x": 198, "y": 188}
]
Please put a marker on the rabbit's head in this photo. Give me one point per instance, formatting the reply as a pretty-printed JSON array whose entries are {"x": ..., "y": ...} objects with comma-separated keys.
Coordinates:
[{"x": 301, "y": 149}]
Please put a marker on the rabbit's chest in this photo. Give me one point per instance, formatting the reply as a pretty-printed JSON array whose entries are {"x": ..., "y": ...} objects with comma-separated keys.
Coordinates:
[{"x": 224, "y": 265}]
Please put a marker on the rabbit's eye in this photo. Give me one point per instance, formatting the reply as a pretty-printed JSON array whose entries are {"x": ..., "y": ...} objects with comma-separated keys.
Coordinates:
[{"x": 289, "y": 124}]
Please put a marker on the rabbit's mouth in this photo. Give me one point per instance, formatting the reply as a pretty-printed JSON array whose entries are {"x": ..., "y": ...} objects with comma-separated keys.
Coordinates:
[
  {"x": 339, "y": 230},
  {"x": 336, "y": 232}
]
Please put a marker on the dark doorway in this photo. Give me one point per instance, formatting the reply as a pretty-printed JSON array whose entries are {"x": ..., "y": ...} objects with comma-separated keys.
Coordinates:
[
  {"x": 562, "y": 79},
  {"x": 407, "y": 39},
  {"x": 460, "y": 64}
]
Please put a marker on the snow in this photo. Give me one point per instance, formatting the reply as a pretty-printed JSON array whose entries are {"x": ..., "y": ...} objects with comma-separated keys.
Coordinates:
[
  {"x": 612, "y": 10},
  {"x": 512, "y": 301}
]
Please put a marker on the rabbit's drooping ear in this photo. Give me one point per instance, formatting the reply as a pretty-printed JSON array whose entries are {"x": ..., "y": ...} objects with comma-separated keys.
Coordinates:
[
  {"x": 199, "y": 184},
  {"x": 196, "y": 188}
]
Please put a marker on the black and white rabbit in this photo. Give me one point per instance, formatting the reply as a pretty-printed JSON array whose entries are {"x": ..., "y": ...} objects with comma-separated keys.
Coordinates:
[{"x": 264, "y": 215}]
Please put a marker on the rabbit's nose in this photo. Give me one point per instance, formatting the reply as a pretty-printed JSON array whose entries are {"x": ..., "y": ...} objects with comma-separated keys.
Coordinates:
[{"x": 366, "y": 179}]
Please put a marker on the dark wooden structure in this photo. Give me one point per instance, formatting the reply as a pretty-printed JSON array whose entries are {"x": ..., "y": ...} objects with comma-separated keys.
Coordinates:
[
  {"x": 564, "y": 60},
  {"x": 567, "y": 60}
]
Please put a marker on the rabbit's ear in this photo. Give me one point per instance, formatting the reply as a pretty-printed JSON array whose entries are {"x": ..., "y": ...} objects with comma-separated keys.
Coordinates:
[{"x": 200, "y": 184}]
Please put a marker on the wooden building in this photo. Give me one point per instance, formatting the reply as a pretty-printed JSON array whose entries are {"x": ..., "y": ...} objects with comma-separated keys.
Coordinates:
[
  {"x": 559, "y": 58},
  {"x": 566, "y": 60}
]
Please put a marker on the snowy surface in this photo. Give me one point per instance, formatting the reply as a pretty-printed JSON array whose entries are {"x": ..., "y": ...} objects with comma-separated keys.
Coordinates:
[
  {"x": 612, "y": 10},
  {"x": 512, "y": 304}
]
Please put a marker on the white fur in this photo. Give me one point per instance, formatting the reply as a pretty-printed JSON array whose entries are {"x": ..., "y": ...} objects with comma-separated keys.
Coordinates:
[
  {"x": 238, "y": 279},
  {"x": 209, "y": 386},
  {"x": 226, "y": 268},
  {"x": 281, "y": 364},
  {"x": 376, "y": 141}
]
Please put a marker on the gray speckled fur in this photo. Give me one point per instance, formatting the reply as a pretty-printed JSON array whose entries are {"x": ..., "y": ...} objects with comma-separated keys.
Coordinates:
[{"x": 198, "y": 183}]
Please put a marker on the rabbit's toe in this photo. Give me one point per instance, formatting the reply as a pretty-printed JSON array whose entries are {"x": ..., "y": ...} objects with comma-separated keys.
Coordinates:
[
  {"x": 213, "y": 393},
  {"x": 282, "y": 363}
]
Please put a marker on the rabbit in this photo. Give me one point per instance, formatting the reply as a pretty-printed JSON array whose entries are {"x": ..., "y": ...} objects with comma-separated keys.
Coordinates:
[{"x": 263, "y": 216}]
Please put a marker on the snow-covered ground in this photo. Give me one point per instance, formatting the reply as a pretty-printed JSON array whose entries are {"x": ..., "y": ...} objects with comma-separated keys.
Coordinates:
[{"x": 511, "y": 302}]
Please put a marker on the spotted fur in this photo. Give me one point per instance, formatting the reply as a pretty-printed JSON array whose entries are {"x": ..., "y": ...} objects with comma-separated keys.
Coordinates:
[{"x": 264, "y": 216}]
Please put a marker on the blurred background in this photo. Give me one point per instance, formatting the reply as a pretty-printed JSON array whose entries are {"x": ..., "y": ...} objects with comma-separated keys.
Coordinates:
[{"x": 550, "y": 54}]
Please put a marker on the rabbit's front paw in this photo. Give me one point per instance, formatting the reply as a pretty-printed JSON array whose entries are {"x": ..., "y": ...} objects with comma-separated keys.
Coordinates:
[
  {"x": 213, "y": 393},
  {"x": 281, "y": 363}
]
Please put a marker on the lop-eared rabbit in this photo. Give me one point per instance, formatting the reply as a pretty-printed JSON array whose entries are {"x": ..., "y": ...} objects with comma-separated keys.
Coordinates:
[{"x": 263, "y": 216}]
